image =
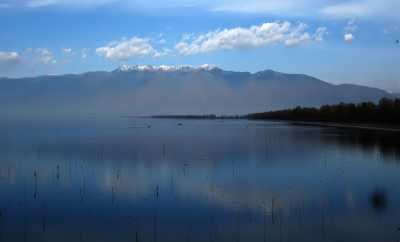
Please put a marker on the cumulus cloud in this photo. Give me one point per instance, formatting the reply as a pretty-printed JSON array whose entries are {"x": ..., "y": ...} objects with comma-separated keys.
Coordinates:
[
  {"x": 242, "y": 38},
  {"x": 67, "y": 50},
  {"x": 41, "y": 55},
  {"x": 129, "y": 48},
  {"x": 351, "y": 26},
  {"x": 30, "y": 57},
  {"x": 349, "y": 37},
  {"x": 349, "y": 30},
  {"x": 8, "y": 61},
  {"x": 84, "y": 53},
  {"x": 9, "y": 57},
  {"x": 320, "y": 33},
  {"x": 161, "y": 39},
  {"x": 44, "y": 56}
]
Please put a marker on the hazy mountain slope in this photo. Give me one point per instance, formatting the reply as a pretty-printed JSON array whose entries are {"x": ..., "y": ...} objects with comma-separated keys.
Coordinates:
[{"x": 149, "y": 90}]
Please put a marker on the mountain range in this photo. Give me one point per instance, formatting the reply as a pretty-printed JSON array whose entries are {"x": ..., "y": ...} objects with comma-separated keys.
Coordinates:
[{"x": 149, "y": 90}]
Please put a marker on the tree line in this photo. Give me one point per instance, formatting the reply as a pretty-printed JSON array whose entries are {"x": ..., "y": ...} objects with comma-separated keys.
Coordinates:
[{"x": 386, "y": 111}]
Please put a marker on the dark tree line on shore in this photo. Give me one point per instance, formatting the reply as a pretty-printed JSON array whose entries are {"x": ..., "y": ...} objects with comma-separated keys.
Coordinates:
[{"x": 387, "y": 111}]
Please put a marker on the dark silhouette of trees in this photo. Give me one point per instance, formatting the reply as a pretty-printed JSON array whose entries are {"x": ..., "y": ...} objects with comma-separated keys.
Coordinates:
[{"x": 387, "y": 111}]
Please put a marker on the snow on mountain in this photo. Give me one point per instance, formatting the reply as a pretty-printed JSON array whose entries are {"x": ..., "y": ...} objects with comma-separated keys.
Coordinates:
[{"x": 166, "y": 68}]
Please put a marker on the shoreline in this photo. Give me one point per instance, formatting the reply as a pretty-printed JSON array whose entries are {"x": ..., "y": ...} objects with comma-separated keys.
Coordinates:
[
  {"x": 361, "y": 126},
  {"x": 371, "y": 127}
]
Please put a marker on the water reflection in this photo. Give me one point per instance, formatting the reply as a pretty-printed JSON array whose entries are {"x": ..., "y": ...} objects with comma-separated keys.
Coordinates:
[
  {"x": 378, "y": 200},
  {"x": 198, "y": 181},
  {"x": 386, "y": 144}
]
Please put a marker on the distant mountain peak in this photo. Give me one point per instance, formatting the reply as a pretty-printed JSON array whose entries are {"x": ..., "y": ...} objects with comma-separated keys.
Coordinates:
[
  {"x": 166, "y": 68},
  {"x": 268, "y": 71},
  {"x": 145, "y": 89}
]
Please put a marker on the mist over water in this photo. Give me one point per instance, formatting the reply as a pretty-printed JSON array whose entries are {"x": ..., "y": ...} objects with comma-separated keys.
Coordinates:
[{"x": 132, "y": 179}]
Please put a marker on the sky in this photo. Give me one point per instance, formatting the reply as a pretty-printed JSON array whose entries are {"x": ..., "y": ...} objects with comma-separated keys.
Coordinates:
[{"x": 353, "y": 41}]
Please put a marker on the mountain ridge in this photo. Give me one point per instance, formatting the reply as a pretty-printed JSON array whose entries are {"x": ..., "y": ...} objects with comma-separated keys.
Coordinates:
[
  {"x": 162, "y": 90},
  {"x": 187, "y": 68}
]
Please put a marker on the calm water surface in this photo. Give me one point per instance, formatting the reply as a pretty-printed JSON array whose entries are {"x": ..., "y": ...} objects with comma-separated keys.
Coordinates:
[{"x": 197, "y": 180}]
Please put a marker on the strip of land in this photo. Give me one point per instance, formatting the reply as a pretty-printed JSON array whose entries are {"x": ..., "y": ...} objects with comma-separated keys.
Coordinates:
[
  {"x": 373, "y": 127},
  {"x": 384, "y": 116}
]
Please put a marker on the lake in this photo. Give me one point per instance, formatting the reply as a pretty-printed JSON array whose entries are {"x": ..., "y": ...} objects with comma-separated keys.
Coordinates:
[{"x": 137, "y": 179}]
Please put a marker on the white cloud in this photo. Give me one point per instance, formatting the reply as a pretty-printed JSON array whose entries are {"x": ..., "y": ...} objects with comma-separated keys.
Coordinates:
[
  {"x": 349, "y": 30},
  {"x": 320, "y": 33},
  {"x": 343, "y": 9},
  {"x": 9, "y": 57},
  {"x": 84, "y": 53},
  {"x": 346, "y": 10},
  {"x": 8, "y": 61},
  {"x": 67, "y": 50},
  {"x": 313, "y": 8},
  {"x": 349, "y": 37},
  {"x": 362, "y": 9},
  {"x": 351, "y": 26},
  {"x": 241, "y": 38},
  {"x": 162, "y": 41},
  {"x": 163, "y": 52},
  {"x": 128, "y": 48},
  {"x": 45, "y": 56}
]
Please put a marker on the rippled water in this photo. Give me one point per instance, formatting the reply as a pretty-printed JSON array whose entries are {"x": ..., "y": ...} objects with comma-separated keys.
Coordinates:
[{"x": 197, "y": 180}]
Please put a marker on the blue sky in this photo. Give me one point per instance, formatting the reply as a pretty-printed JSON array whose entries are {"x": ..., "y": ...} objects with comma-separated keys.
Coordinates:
[{"x": 338, "y": 41}]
